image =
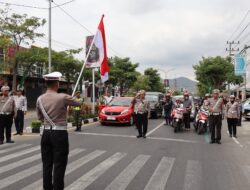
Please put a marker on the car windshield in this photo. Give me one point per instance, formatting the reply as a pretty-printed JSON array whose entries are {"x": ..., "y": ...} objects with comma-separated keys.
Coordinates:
[
  {"x": 126, "y": 102},
  {"x": 151, "y": 98}
]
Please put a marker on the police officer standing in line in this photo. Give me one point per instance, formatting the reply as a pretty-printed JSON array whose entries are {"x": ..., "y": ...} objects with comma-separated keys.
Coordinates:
[
  {"x": 21, "y": 106},
  {"x": 187, "y": 105},
  {"x": 7, "y": 113},
  {"x": 215, "y": 106},
  {"x": 142, "y": 110},
  {"x": 52, "y": 110},
  {"x": 77, "y": 111},
  {"x": 232, "y": 115}
]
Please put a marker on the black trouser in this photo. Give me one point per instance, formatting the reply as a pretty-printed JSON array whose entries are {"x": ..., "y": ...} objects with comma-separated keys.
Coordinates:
[
  {"x": 5, "y": 123},
  {"x": 55, "y": 150},
  {"x": 186, "y": 120},
  {"x": 232, "y": 123},
  {"x": 19, "y": 121},
  {"x": 168, "y": 117},
  {"x": 142, "y": 123},
  {"x": 215, "y": 123}
]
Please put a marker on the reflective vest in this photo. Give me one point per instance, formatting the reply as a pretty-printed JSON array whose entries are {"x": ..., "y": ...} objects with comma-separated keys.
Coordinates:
[{"x": 78, "y": 107}]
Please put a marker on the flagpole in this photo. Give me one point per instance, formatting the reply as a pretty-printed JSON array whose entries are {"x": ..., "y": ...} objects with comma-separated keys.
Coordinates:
[
  {"x": 93, "y": 83},
  {"x": 86, "y": 58}
]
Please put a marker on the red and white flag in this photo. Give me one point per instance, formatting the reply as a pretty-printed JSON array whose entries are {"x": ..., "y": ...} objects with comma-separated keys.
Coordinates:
[{"x": 100, "y": 43}]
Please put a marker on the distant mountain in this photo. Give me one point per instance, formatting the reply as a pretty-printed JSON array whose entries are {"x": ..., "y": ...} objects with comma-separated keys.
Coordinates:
[{"x": 183, "y": 82}]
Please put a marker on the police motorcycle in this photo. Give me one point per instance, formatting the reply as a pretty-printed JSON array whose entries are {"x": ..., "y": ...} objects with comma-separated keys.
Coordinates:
[
  {"x": 201, "y": 120},
  {"x": 177, "y": 117}
]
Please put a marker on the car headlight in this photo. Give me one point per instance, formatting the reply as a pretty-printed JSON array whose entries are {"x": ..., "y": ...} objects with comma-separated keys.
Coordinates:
[
  {"x": 124, "y": 111},
  {"x": 103, "y": 111}
]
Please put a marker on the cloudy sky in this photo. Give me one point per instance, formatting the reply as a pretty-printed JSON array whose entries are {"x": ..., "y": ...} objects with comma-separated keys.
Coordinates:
[{"x": 163, "y": 34}]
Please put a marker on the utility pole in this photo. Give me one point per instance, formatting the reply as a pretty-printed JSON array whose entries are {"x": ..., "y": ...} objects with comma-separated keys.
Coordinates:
[
  {"x": 49, "y": 49},
  {"x": 231, "y": 50}
]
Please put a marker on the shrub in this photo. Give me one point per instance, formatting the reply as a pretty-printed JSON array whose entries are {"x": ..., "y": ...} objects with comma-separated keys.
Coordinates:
[{"x": 36, "y": 124}]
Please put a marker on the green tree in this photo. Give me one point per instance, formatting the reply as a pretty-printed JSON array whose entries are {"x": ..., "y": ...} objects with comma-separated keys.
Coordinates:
[
  {"x": 155, "y": 82},
  {"x": 122, "y": 73},
  {"x": 21, "y": 29},
  {"x": 215, "y": 72},
  {"x": 142, "y": 83}
]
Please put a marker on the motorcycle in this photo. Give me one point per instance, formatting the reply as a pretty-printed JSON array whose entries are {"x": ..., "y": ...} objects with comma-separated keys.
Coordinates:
[
  {"x": 201, "y": 121},
  {"x": 177, "y": 118}
]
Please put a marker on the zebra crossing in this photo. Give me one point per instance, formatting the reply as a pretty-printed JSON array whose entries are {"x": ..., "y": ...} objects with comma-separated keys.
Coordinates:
[{"x": 28, "y": 157}]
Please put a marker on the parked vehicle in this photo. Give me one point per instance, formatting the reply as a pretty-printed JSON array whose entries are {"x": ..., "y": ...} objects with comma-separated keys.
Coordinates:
[
  {"x": 119, "y": 110},
  {"x": 156, "y": 103},
  {"x": 177, "y": 121},
  {"x": 201, "y": 121},
  {"x": 246, "y": 109}
]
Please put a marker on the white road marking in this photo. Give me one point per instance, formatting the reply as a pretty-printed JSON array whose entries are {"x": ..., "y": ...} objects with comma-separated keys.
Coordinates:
[
  {"x": 20, "y": 153},
  {"x": 157, "y": 127},
  {"x": 161, "y": 174},
  {"x": 87, "y": 179},
  {"x": 246, "y": 170},
  {"x": 170, "y": 139},
  {"x": 127, "y": 175},
  {"x": 5, "y": 182},
  {"x": 14, "y": 148},
  {"x": 236, "y": 141},
  {"x": 193, "y": 176},
  {"x": 71, "y": 167},
  {"x": 130, "y": 136}
]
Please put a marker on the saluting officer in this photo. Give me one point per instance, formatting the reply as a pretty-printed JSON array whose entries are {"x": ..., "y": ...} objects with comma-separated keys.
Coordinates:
[
  {"x": 7, "y": 112},
  {"x": 51, "y": 110},
  {"x": 142, "y": 110},
  {"x": 215, "y": 106},
  {"x": 232, "y": 115}
]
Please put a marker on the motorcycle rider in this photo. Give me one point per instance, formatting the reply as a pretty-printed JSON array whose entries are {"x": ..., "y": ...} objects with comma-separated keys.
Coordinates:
[
  {"x": 206, "y": 101},
  {"x": 168, "y": 106},
  {"x": 187, "y": 105}
]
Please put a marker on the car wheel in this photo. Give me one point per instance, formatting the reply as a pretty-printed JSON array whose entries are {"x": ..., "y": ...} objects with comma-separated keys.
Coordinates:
[{"x": 102, "y": 123}]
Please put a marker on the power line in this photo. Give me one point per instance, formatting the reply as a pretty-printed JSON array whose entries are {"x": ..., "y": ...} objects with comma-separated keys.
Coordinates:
[
  {"x": 80, "y": 24},
  {"x": 242, "y": 31},
  {"x": 22, "y": 5},
  {"x": 243, "y": 19},
  {"x": 35, "y": 7}
]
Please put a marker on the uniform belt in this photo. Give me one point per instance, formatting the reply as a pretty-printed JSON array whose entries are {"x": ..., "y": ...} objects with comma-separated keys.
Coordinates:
[
  {"x": 216, "y": 113},
  {"x": 49, "y": 127},
  {"x": 140, "y": 112},
  {"x": 5, "y": 113}
]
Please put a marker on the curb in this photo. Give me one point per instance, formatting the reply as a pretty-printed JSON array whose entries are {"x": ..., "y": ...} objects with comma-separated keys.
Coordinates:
[{"x": 69, "y": 125}]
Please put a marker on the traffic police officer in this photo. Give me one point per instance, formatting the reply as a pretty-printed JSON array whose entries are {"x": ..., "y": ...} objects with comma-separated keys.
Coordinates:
[
  {"x": 232, "y": 115},
  {"x": 7, "y": 112},
  {"x": 51, "y": 110},
  {"x": 142, "y": 110},
  {"x": 77, "y": 111},
  {"x": 215, "y": 106}
]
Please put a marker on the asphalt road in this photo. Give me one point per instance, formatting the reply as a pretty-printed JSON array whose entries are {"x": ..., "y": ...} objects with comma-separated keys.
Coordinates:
[{"x": 111, "y": 157}]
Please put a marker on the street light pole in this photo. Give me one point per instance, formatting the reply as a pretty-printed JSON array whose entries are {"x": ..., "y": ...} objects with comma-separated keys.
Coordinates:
[{"x": 49, "y": 49}]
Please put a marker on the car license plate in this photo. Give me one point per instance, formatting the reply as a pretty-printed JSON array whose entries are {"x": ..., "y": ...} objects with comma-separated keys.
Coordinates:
[{"x": 110, "y": 118}]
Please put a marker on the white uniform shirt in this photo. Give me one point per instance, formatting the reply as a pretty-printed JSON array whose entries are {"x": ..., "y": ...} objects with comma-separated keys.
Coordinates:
[{"x": 21, "y": 103}]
